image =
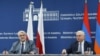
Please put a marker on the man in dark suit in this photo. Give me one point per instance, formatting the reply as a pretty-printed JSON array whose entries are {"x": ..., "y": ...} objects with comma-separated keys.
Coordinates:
[
  {"x": 80, "y": 46},
  {"x": 22, "y": 46}
]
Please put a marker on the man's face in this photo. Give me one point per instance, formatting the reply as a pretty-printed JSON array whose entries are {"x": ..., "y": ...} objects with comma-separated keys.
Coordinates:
[
  {"x": 80, "y": 37},
  {"x": 22, "y": 36}
]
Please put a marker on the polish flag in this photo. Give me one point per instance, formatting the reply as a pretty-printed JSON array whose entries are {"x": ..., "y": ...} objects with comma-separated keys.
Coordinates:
[
  {"x": 30, "y": 24},
  {"x": 40, "y": 44}
]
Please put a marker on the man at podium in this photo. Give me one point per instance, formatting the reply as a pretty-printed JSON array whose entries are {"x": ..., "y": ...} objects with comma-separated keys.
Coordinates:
[
  {"x": 80, "y": 46},
  {"x": 22, "y": 46}
]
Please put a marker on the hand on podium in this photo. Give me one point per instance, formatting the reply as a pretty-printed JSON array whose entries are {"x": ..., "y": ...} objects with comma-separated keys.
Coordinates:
[
  {"x": 32, "y": 52},
  {"x": 64, "y": 51},
  {"x": 88, "y": 52},
  {"x": 5, "y": 52}
]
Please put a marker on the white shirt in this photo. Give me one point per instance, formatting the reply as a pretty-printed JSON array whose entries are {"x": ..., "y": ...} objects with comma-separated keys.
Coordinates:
[{"x": 82, "y": 46}]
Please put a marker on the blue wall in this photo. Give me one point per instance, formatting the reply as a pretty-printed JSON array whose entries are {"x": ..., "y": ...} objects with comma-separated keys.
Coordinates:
[{"x": 11, "y": 21}]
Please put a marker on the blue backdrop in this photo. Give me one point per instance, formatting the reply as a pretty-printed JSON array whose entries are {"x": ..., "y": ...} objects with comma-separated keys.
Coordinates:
[{"x": 62, "y": 19}]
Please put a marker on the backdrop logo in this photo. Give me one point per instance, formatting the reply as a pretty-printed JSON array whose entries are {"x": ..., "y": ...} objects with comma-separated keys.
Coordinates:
[{"x": 47, "y": 15}]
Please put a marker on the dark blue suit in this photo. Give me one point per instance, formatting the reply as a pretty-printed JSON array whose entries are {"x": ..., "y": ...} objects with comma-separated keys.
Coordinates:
[{"x": 74, "y": 47}]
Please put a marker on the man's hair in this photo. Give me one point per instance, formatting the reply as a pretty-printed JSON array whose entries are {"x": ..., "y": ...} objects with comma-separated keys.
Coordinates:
[
  {"x": 80, "y": 32},
  {"x": 21, "y": 31}
]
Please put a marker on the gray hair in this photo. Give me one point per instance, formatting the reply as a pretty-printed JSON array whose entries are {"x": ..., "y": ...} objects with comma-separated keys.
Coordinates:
[
  {"x": 80, "y": 32},
  {"x": 21, "y": 31}
]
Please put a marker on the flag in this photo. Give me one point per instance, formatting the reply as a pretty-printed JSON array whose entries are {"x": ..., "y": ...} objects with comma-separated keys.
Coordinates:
[
  {"x": 97, "y": 39},
  {"x": 86, "y": 24},
  {"x": 40, "y": 44},
  {"x": 30, "y": 24}
]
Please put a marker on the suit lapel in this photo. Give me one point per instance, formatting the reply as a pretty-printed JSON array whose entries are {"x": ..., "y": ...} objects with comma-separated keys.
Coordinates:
[
  {"x": 85, "y": 46},
  {"x": 18, "y": 47},
  {"x": 77, "y": 46}
]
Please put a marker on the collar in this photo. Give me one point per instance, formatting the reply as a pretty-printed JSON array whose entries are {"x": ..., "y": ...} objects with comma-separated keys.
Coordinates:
[
  {"x": 81, "y": 42},
  {"x": 23, "y": 42}
]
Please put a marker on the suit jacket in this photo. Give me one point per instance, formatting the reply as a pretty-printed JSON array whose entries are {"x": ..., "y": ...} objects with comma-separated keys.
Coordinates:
[
  {"x": 16, "y": 48},
  {"x": 74, "y": 47}
]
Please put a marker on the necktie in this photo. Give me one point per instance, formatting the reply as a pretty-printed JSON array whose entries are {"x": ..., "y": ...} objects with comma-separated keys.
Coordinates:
[{"x": 22, "y": 48}]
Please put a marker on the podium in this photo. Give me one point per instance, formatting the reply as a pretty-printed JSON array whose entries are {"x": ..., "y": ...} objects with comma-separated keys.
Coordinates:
[{"x": 45, "y": 55}]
